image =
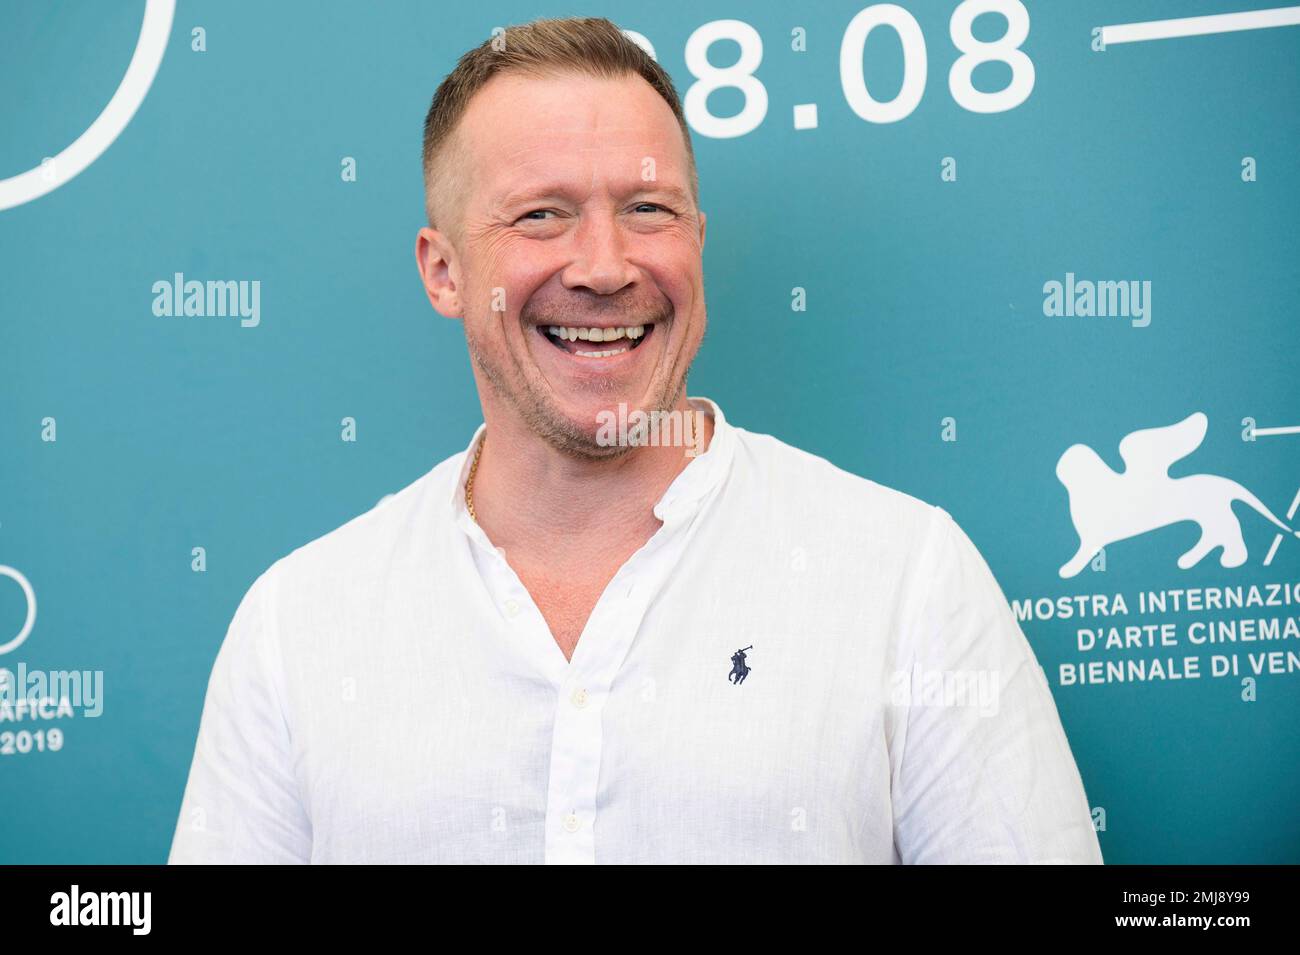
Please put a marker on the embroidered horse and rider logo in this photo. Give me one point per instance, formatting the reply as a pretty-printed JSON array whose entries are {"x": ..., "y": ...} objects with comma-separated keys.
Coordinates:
[{"x": 738, "y": 668}]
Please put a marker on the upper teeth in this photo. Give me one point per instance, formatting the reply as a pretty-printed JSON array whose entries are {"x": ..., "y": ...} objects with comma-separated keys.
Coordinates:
[{"x": 596, "y": 334}]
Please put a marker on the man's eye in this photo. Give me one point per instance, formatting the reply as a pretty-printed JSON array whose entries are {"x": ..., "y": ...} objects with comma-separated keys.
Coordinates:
[
  {"x": 652, "y": 205},
  {"x": 536, "y": 212}
]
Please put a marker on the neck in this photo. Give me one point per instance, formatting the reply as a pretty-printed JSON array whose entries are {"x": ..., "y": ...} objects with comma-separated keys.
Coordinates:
[{"x": 538, "y": 500}]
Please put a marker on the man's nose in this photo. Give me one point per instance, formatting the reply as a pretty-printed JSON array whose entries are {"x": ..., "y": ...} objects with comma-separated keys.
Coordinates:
[{"x": 600, "y": 256}]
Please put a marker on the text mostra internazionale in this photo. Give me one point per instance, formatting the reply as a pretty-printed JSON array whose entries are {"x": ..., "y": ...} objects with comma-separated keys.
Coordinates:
[{"x": 1212, "y": 625}]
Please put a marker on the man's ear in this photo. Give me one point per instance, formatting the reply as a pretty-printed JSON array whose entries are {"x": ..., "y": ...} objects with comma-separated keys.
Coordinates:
[
  {"x": 703, "y": 221},
  {"x": 433, "y": 254}
]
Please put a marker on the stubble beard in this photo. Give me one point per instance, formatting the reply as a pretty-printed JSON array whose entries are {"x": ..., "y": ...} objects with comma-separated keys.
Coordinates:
[{"x": 540, "y": 415}]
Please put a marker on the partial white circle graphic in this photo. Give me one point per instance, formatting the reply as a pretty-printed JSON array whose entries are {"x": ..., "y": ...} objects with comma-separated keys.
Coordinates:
[
  {"x": 17, "y": 641},
  {"x": 90, "y": 145}
]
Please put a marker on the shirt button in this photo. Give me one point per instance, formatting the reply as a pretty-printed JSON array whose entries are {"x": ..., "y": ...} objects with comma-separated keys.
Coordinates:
[
  {"x": 571, "y": 823},
  {"x": 512, "y": 607},
  {"x": 579, "y": 698}
]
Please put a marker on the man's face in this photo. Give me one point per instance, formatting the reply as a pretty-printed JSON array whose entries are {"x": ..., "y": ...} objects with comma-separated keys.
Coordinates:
[{"x": 577, "y": 214}]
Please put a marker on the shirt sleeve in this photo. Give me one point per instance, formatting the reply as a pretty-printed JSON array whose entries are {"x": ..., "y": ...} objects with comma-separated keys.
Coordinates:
[
  {"x": 242, "y": 803},
  {"x": 983, "y": 772}
]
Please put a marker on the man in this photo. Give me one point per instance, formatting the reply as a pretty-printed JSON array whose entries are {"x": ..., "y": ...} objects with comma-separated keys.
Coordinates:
[{"x": 522, "y": 656}]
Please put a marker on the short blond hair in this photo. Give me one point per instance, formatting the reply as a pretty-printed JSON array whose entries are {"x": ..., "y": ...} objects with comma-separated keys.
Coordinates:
[{"x": 593, "y": 46}]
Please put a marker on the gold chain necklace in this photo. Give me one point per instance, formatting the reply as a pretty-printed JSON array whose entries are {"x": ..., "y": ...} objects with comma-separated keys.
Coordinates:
[{"x": 469, "y": 482}]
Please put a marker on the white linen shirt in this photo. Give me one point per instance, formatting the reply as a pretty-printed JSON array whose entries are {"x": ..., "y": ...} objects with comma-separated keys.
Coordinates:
[{"x": 390, "y": 692}]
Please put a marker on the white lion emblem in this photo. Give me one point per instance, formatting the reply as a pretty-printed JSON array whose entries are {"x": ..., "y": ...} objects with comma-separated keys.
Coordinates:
[{"x": 1107, "y": 506}]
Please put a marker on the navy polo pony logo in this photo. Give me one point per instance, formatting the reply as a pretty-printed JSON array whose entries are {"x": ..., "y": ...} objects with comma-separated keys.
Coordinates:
[{"x": 738, "y": 668}]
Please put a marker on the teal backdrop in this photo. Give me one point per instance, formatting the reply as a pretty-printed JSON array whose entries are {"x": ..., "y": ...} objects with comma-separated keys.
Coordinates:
[{"x": 879, "y": 294}]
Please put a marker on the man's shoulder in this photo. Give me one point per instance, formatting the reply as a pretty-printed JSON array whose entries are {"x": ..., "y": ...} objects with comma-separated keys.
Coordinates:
[
  {"x": 387, "y": 533},
  {"x": 792, "y": 475}
]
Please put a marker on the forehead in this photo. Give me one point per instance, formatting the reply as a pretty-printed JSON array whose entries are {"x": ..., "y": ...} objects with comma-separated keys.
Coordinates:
[{"x": 571, "y": 130}]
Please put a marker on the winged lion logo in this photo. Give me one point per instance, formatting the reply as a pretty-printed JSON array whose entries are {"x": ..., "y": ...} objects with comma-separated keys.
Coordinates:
[{"x": 1108, "y": 506}]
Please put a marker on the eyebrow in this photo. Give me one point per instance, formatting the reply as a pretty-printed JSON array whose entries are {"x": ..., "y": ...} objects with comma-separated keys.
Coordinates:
[{"x": 551, "y": 190}]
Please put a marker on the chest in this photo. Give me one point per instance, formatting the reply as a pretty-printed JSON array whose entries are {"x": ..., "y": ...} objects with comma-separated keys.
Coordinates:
[
  {"x": 566, "y": 589},
  {"x": 454, "y": 754},
  {"x": 565, "y": 603}
]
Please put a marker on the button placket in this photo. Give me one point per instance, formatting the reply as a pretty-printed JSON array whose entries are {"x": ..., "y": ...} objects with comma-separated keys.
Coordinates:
[
  {"x": 577, "y": 736},
  {"x": 575, "y": 768},
  {"x": 577, "y": 740}
]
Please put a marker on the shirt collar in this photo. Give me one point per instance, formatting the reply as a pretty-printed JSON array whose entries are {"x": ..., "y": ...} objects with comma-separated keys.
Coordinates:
[{"x": 688, "y": 491}]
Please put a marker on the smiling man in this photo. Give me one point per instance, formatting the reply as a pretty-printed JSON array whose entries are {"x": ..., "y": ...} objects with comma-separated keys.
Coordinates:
[{"x": 557, "y": 647}]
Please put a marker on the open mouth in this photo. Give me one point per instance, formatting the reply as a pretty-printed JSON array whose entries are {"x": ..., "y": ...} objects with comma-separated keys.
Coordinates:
[{"x": 596, "y": 342}]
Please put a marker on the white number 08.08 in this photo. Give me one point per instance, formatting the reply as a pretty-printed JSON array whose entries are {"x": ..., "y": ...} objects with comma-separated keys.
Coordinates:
[{"x": 740, "y": 75}]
